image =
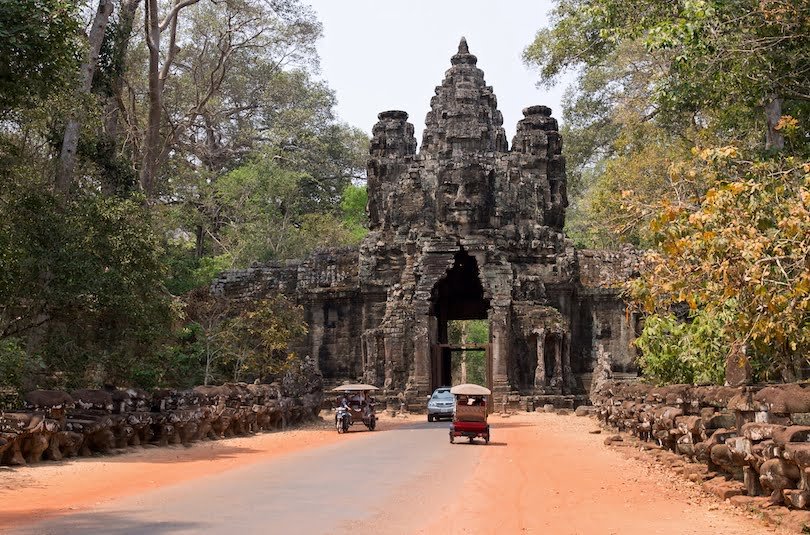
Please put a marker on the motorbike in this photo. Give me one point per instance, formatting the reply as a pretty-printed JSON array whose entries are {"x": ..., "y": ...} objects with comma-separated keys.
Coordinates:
[{"x": 343, "y": 419}]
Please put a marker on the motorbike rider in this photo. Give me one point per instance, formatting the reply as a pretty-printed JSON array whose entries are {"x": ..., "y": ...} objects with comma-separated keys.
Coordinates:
[{"x": 345, "y": 407}]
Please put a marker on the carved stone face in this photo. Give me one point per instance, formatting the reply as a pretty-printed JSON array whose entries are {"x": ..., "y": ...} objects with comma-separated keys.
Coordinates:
[{"x": 462, "y": 198}]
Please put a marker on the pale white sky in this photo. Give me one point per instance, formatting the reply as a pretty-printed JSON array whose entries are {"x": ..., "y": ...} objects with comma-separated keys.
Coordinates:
[{"x": 381, "y": 55}]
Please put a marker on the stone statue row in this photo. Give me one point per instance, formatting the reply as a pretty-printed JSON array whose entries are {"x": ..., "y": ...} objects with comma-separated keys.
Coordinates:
[
  {"x": 53, "y": 425},
  {"x": 757, "y": 437}
]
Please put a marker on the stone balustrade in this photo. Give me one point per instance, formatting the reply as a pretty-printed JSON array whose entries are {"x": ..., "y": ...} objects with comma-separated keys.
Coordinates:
[
  {"x": 53, "y": 425},
  {"x": 756, "y": 435}
]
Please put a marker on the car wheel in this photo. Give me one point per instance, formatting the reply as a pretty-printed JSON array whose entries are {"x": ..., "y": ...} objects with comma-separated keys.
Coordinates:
[{"x": 430, "y": 417}]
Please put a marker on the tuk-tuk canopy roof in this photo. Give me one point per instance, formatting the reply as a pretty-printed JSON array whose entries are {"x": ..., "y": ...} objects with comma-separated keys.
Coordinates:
[
  {"x": 468, "y": 389},
  {"x": 358, "y": 387}
]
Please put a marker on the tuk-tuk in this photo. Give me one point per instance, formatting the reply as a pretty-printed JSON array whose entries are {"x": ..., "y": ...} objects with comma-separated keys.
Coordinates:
[
  {"x": 470, "y": 412},
  {"x": 354, "y": 404}
]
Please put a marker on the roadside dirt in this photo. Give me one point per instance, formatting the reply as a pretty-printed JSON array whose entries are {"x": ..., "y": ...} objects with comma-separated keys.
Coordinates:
[{"x": 542, "y": 473}]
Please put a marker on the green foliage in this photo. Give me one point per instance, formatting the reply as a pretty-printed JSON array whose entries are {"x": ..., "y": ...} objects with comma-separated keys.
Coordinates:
[
  {"x": 656, "y": 80},
  {"x": 353, "y": 206},
  {"x": 99, "y": 286},
  {"x": 686, "y": 352},
  {"x": 88, "y": 272},
  {"x": 469, "y": 332},
  {"x": 716, "y": 51},
  {"x": 261, "y": 203},
  {"x": 748, "y": 239},
  {"x": 40, "y": 50},
  {"x": 13, "y": 361}
]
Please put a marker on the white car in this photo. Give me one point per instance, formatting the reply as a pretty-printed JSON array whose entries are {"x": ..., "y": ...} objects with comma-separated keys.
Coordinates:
[{"x": 441, "y": 404}]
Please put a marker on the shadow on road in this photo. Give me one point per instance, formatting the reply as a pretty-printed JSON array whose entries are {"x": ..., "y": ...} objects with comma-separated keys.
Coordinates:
[
  {"x": 109, "y": 524},
  {"x": 508, "y": 425},
  {"x": 464, "y": 442}
]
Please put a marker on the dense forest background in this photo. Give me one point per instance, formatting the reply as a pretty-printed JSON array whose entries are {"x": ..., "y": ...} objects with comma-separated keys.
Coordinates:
[
  {"x": 687, "y": 134},
  {"x": 146, "y": 145}
]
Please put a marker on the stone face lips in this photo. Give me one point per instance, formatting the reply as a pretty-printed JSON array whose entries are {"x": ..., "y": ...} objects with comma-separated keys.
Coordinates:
[{"x": 463, "y": 228}]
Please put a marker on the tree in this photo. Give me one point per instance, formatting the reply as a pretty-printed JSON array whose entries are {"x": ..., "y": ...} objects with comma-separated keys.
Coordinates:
[
  {"x": 717, "y": 52},
  {"x": 353, "y": 206},
  {"x": 263, "y": 218},
  {"x": 81, "y": 282},
  {"x": 67, "y": 158},
  {"x": 40, "y": 50},
  {"x": 257, "y": 340},
  {"x": 747, "y": 239},
  {"x": 204, "y": 62}
]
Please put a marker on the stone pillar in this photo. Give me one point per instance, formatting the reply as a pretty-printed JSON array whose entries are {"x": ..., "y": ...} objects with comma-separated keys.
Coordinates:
[
  {"x": 558, "y": 364},
  {"x": 392, "y": 347},
  {"x": 540, "y": 371},
  {"x": 567, "y": 377},
  {"x": 499, "y": 332},
  {"x": 421, "y": 356},
  {"x": 316, "y": 335}
]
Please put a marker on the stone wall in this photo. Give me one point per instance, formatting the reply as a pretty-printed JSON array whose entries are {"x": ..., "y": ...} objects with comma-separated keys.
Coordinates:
[{"x": 753, "y": 440}]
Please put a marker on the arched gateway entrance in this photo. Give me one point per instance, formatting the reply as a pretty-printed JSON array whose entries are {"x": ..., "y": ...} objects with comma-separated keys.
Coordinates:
[{"x": 457, "y": 296}]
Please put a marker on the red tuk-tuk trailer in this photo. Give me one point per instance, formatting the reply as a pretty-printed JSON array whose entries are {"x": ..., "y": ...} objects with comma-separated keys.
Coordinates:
[{"x": 470, "y": 414}]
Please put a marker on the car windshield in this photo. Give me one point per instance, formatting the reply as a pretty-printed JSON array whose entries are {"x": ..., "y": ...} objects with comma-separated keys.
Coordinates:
[{"x": 442, "y": 395}]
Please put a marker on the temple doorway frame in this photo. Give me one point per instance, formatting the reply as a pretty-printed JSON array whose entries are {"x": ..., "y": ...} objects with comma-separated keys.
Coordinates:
[{"x": 436, "y": 364}]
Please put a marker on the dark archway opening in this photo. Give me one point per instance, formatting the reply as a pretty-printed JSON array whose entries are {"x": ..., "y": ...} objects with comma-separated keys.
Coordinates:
[{"x": 458, "y": 296}]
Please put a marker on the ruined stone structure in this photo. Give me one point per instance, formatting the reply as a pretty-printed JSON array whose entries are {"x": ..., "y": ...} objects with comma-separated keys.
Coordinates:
[{"x": 464, "y": 228}]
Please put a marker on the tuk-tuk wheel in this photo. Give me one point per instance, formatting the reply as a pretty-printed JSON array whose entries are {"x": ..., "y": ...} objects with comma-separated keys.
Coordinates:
[
  {"x": 471, "y": 440},
  {"x": 372, "y": 423},
  {"x": 486, "y": 440}
]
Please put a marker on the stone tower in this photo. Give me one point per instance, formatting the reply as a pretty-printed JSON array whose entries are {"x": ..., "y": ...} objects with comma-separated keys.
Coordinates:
[{"x": 464, "y": 228}]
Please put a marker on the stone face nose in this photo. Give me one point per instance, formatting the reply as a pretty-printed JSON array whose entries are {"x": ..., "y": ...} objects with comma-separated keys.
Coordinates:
[{"x": 461, "y": 200}]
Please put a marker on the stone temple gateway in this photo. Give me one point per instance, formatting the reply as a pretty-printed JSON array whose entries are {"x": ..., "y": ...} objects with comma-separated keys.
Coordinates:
[{"x": 466, "y": 227}]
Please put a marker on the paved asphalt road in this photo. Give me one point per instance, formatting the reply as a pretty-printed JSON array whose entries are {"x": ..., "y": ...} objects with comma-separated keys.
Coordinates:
[{"x": 330, "y": 489}]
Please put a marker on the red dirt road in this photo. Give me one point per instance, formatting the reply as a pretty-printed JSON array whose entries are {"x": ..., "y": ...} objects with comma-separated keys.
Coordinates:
[
  {"x": 542, "y": 473},
  {"x": 555, "y": 477}
]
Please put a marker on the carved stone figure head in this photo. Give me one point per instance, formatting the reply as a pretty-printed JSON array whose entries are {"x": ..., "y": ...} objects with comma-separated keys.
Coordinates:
[{"x": 463, "y": 198}]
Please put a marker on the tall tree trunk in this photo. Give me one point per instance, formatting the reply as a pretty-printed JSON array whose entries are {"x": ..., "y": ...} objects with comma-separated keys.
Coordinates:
[
  {"x": 112, "y": 111},
  {"x": 70, "y": 141},
  {"x": 151, "y": 142},
  {"x": 773, "y": 112},
  {"x": 157, "y": 80}
]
